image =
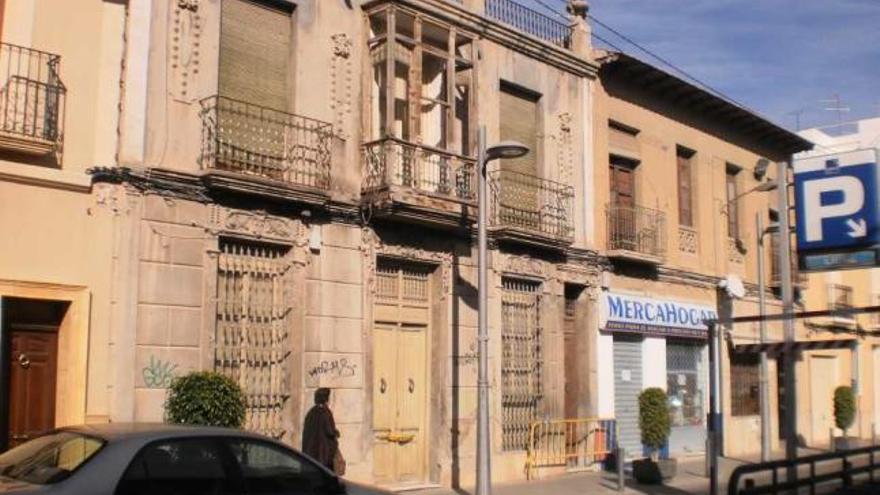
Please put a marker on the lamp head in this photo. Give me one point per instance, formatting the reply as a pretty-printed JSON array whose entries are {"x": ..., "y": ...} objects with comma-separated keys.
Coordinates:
[
  {"x": 506, "y": 149},
  {"x": 769, "y": 185}
]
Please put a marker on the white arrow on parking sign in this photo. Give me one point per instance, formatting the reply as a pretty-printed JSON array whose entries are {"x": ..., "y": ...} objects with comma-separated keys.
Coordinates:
[{"x": 859, "y": 229}]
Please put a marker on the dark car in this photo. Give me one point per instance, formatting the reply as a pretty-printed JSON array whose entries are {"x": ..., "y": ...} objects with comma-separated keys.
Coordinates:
[{"x": 141, "y": 459}]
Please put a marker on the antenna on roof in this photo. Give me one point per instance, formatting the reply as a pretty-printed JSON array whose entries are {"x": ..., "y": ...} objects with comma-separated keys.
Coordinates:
[
  {"x": 797, "y": 117},
  {"x": 835, "y": 105}
]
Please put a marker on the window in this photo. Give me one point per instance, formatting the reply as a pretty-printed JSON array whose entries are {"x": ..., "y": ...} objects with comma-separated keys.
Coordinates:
[
  {"x": 684, "y": 158},
  {"x": 744, "y": 384},
  {"x": 195, "y": 466},
  {"x": 685, "y": 384},
  {"x": 269, "y": 469},
  {"x": 252, "y": 340},
  {"x": 50, "y": 458},
  {"x": 732, "y": 206},
  {"x": 519, "y": 122},
  {"x": 255, "y": 53},
  {"x": 522, "y": 360},
  {"x": 422, "y": 75},
  {"x": 840, "y": 297}
]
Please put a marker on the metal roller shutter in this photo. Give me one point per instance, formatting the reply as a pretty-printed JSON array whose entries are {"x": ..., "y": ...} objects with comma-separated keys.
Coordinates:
[{"x": 627, "y": 387}]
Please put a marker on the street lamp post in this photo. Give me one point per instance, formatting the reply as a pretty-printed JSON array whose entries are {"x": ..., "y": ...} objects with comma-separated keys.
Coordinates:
[
  {"x": 788, "y": 323},
  {"x": 507, "y": 149}
]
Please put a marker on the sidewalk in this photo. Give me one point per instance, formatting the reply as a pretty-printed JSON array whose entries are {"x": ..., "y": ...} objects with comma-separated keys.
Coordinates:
[{"x": 690, "y": 480}]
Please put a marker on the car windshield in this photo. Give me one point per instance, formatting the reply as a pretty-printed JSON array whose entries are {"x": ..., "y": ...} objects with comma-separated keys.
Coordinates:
[{"x": 50, "y": 458}]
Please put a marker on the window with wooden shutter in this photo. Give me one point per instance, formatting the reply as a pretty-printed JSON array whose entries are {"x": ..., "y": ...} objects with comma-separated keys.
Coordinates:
[
  {"x": 255, "y": 53},
  {"x": 684, "y": 158},
  {"x": 732, "y": 207},
  {"x": 519, "y": 122}
]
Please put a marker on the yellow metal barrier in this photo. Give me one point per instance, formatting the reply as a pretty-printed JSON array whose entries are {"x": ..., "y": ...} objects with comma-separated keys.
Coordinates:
[{"x": 570, "y": 443}]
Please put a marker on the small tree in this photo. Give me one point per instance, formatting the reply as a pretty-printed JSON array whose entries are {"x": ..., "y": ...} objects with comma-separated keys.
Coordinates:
[
  {"x": 654, "y": 419},
  {"x": 205, "y": 398},
  {"x": 844, "y": 407}
]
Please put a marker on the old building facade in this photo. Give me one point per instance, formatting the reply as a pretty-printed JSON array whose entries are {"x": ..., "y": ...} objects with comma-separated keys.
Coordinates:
[{"x": 284, "y": 191}]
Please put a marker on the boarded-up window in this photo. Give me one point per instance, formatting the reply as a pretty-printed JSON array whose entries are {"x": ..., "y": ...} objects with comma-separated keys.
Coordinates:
[
  {"x": 255, "y": 53},
  {"x": 253, "y": 334},
  {"x": 519, "y": 122},
  {"x": 744, "y": 384},
  {"x": 684, "y": 158},
  {"x": 522, "y": 361},
  {"x": 732, "y": 207}
]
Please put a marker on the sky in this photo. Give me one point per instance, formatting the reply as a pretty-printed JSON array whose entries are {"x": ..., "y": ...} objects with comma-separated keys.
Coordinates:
[{"x": 776, "y": 57}]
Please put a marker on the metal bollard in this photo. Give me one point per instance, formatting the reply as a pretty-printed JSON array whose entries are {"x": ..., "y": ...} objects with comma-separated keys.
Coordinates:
[
  {"x": 873, "y": 433},
  {"x": 847, "y": 476},
  {"x": 831, "y": 440},
  {"x": 619, "y": 457}
]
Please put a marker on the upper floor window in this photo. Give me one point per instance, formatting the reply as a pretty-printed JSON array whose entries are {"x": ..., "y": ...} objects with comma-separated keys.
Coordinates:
[
  {"x": 422, "y": 80},
  {"x": 684, "y": 159},
  {"x": 732, "y": 206},
  {"x": 840, "y": 297},
  {"x": 519, "y": 122},
  {"x": 255, "y": 41}
]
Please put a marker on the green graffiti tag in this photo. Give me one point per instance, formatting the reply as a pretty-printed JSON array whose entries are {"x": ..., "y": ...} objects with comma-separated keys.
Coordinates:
[{"x": 158, "y": 373}]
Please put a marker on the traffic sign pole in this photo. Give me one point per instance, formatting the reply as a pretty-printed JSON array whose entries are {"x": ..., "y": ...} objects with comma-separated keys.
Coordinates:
[{"x": 788, "y": 323}]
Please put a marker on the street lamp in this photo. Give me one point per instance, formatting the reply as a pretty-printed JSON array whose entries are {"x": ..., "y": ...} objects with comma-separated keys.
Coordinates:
[
  {"x": 505, "y": 149},
  {"x": 765, "y": 370}
]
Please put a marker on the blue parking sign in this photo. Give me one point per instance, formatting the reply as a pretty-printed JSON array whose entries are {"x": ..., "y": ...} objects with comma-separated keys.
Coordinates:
[{"x": 836, "y": 201}]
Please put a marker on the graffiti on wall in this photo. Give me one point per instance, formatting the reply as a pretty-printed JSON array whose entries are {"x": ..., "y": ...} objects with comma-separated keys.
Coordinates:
[
  {"x": 158, "y": 373},
  {"x": 337, "y": 368}
]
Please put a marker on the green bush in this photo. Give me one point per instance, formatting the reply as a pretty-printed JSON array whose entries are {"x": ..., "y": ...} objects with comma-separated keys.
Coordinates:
[
  {"x": 654, "y": 418},
  {"x": 205, "y": 398},
  {"x": 844, "y": 407}
]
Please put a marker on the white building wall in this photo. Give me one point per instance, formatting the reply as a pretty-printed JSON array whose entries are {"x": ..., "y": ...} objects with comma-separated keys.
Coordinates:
[
  {"x": 605, "y": 374},
  {"x": 654, "y": 362}
]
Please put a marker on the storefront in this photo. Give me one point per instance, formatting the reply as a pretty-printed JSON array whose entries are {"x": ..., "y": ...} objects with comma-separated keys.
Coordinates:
[{"x": 657, "y": 343}]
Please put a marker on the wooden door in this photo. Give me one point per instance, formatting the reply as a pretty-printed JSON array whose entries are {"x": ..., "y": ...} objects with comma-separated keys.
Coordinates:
[
  {"x": 823, "y": 379},
  {"x": 570, "y": 355},
  {"x": 32, "y": 375},
  {"x": 623, "y": 199},
  {"x": 400, "y": 374}
]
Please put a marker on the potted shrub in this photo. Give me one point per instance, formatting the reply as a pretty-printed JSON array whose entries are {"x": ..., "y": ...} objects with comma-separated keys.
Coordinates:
[
  {"x": 654, "y": 423},
  {"x": 844, "y": 416},
  {"x": 205, "y": 398}
]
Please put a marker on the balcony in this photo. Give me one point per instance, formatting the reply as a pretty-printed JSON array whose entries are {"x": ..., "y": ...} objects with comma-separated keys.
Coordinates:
[
  {"x": 416, "y": 182},
  {"x": 529, "y": 21},
  {"x": 636, "y": 234},
  {"x": 31, "y": 101},
  {"x": 530, "y": 210},
  {"x": 255, "y": 149}
]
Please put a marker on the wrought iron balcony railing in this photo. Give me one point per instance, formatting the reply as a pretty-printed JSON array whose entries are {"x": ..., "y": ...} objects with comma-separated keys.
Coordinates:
[
  {"x": 532, "y": 204},
  {"x": 636, "y": 229},
  {"x": 258, "y": 141},
  {"x": 31, "y": 100},
  {"x": 392, "y": 162},
  {"x": 529, "y": 21}
]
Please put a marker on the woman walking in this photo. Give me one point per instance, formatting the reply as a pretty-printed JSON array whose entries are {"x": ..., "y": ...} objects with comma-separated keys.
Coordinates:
[{"x": 320, "y": 436}]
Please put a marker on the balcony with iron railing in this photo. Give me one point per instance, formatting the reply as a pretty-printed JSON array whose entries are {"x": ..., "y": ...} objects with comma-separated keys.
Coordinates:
[
  {"x": 31, "y": 101},
  {"x": 636, "y": 234},
  {"x": 245, "y": 141},
  {"x": 530, "y": 21},
  {"x": 531, "y": 210},
  {"x": 413, "y": 180}
]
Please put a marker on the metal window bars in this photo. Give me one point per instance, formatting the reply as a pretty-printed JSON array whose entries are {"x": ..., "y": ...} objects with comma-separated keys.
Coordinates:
[
  {"x": 529, "y": 21},
  {"x": 31, "y": 99},
  {"x": 252, "y": 339},
  {"x": 393, "y": 162},
  {"x": 522, "y": 361},
  {"x": 532, "y": 204},
  {"x": 254, "y": 140},
  {"x": 637, "y": 229}
]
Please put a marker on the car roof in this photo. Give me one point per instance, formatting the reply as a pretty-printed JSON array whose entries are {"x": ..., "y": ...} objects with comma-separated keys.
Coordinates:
[{"x": 148, "y": 432}]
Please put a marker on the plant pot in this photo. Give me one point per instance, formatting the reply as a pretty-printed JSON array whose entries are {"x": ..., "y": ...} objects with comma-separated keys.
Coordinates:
[
  {"x": 846, "y": 443},
  {"x": 648, "y": 472}
]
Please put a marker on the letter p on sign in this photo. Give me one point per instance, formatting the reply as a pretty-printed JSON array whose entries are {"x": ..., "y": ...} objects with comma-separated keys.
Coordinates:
[{"x": 853, "y": 199}]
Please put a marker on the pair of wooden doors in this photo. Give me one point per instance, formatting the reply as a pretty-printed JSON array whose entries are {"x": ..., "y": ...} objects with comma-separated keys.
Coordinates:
[{"x": 400, "y": 373}]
